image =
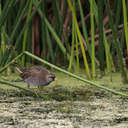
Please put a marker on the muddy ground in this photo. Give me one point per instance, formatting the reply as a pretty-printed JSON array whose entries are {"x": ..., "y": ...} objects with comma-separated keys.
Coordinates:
[{"x": 64, "y": 106}]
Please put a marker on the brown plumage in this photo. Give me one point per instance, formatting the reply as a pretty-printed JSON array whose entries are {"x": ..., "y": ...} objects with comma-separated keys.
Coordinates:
[{"x": 36, "y": 76}]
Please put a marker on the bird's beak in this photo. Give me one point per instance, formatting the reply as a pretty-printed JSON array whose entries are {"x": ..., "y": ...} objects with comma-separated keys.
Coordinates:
[{"x": 55, "y": 79}]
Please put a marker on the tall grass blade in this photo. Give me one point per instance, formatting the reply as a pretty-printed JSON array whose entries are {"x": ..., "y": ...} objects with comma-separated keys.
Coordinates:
[
  {"x": 72, "y": 48},
  {"x": 26, "y": 31},
  {"x": 57, "y": 16},
  {"x": 43, "y": 30},
  {"x": 92, "y": 40},
  {"x": 125, "y": 22},
  {"x": 116, "y": 42},
  {"x": 5, "y": 11},
  {"x": 77, "y": 54},
  {"x": 80, "y": 39},
  {"x": 101, "y": 36},
  {"x": 108, "y": 55},
  {"x": 73, "y": 41},
  {"x": 109, "y": 61},
  {"x": 84, "y": 28},
  {"x": 2, "y": 43},
  {"x": 51, "y": 52}
]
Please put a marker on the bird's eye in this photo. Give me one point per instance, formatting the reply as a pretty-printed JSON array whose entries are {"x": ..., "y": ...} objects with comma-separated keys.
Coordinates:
[{"x": 50, "y": 79}]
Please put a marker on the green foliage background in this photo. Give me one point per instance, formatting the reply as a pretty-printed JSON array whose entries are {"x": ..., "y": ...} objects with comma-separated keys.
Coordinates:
[{"x": 80, "y": 34}]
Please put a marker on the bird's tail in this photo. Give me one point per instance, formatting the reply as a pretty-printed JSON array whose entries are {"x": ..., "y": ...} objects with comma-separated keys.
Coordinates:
[{"x": 19, "y": 69}]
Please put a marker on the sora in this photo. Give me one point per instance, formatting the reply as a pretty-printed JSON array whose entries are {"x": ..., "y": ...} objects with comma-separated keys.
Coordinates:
[{"x": 36, "y": 76}]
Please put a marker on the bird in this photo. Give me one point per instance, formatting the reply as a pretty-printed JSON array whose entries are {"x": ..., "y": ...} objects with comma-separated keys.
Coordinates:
[{"x": 36, "y": 76}]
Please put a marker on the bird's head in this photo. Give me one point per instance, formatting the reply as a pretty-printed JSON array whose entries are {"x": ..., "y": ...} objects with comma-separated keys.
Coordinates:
[{"x": 51, "y": 77}]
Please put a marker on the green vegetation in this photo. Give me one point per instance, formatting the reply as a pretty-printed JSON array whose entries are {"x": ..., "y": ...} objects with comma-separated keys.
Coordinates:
[
  {"x": 59, "y": 69},
  {"x": 74, "y": 35},
  {"x": 65, "y": 88}
]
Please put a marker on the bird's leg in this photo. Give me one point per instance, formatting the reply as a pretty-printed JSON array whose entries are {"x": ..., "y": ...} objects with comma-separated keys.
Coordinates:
[
  {"x": 36, "y": 93},
  {"x": 38, "y": 87},
  {"x": 28, "y": 86}
]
